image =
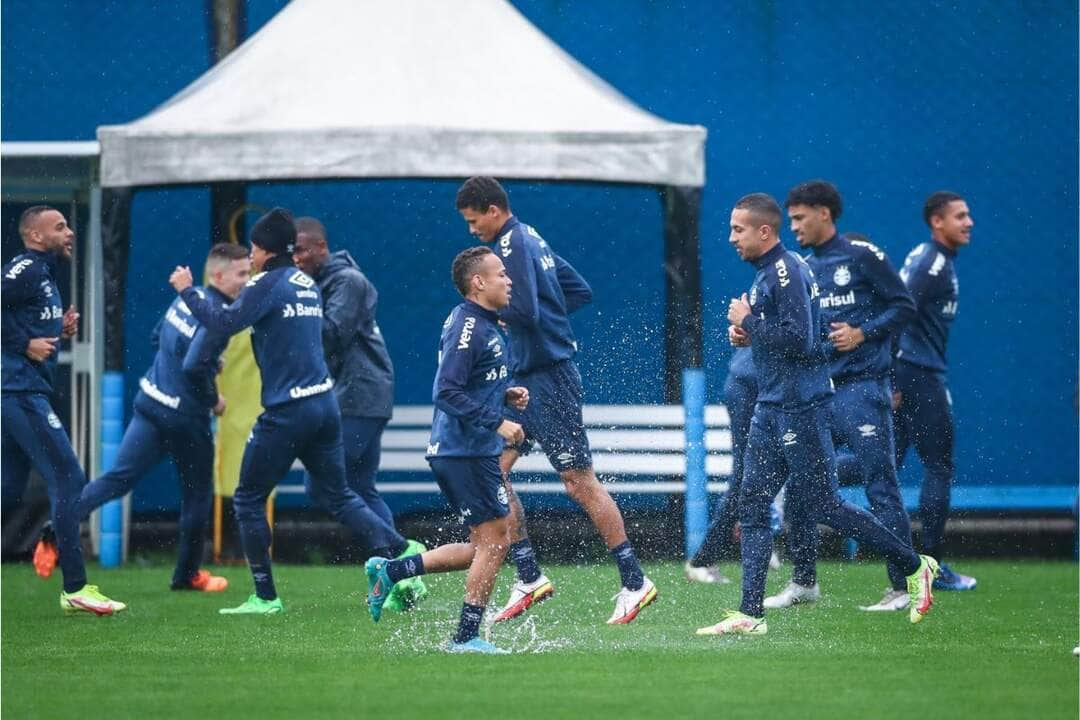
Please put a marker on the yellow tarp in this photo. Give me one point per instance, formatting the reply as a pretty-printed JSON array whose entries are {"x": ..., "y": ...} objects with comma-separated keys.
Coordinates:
[{"x": 239, "y": 383}]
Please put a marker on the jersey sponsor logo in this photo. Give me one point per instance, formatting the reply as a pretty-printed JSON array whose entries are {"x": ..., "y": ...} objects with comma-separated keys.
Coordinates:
[
  {"x": 52, "y": 312},
  {"x": 950, "y": 307},
  {"x": 547, "y": 262},
  {"x": 842, "y": 276},
  {"x": 498, "y": 373},
  {"x": 17, "y": 268},
  {"x": 255, "y": 278},
  {"x": 449, "y": 319},
  {"x": 939, "y": 262},
  {"x": 154, "y": 392},
  {"x": 182, "y": 307},
  {"x": 814, "y": 291},
  {"x": 869, "y": 246},
  {"x": 753, "y": 295},
  {"x": 302, "y": 279},
  {"x": 182, "y": 326},
  {"x": 564, "y": 459},
  {"x": 301, "y": 310},
  {"x": 867, "y": 431},
  {"x": 433, "y": 449},
  {"x": 782, "y": 273},
  {"x": 302, "y": 392},
  {"x": 532, "y": 231},
  {"x": 466, "y": 333},
  {"x": 833, "y": 300},
  {"x": 54, "y": 422},
  {"x": 46, "y": 287},
  {"x": 504, "y": 244},
  {"x": 790, "y": 438},
  {"x": 463, "y": 514}
]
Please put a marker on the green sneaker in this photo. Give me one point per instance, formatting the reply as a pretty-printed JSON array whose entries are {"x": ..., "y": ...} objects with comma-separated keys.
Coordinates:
[
  {"x": 408, "y": 593},
  {"x": 920, "y": 587},
  {"x": 89, "y": 599},
  {"x": 255, "y": 605}
]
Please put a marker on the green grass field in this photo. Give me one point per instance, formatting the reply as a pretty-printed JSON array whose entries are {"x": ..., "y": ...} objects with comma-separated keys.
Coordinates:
[{"x": 1002, "y": 651}]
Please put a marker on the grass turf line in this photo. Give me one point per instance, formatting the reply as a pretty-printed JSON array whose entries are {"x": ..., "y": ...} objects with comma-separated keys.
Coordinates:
[{"x": 1003, "y": 650}]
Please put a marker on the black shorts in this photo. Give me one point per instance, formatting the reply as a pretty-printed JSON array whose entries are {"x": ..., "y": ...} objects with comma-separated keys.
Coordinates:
[{"x": 473, "y": 486}]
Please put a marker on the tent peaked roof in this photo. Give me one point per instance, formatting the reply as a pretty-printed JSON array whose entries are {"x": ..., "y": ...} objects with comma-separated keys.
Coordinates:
[{"x": 410, "y": 88}]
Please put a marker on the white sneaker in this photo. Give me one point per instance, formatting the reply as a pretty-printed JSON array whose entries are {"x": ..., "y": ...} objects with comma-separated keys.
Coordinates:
[
  {"x": 793, "y": 594},
  {"x": 628, "y": 603},
  {"x": 710, "y": 575},
  {"x": 525, "y": 595},
  {"x": 892, "y": 601}
]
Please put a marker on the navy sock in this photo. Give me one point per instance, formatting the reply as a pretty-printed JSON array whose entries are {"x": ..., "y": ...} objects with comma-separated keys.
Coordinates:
[
  {"x": 264, "y": 581},
  {"x": 469, "y": 625},
  {"x": 629, "y": 567},
  {"x": 406, "y": 567},
  {"x": 528, "y": 569}
]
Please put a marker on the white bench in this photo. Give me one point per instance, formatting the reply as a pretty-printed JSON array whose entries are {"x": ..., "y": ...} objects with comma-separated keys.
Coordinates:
[{"x": 629, "y": 443}]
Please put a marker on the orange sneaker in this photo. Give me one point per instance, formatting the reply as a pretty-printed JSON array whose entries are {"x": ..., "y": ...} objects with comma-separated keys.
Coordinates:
[
  {"x": 45, "y": 553},
  {"x": 205, "y": 582}
]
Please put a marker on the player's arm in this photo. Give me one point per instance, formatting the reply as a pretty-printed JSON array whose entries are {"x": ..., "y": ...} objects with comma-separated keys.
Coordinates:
[
  {"x": 792, "y": 333},
  {"x": 889, "y": 287},
  {"x": 575, "y": 290},
  {"x": 452, "y": 377},
  {"x": 524, "y": 304},
  {"x": 920, "y": 284},
  {"x": 254, "y": 302},
  {"x": 344, "y": 309},
  {"x": 15, "y": 289},
  {"x": 200, "y": 364}
]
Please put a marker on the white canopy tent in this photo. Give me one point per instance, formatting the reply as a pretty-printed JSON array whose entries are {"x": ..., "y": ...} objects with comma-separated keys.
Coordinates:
[{"x": 413, "y": 88}]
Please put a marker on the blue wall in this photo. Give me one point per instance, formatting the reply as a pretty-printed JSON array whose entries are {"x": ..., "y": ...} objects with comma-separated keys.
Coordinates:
[{"x": 888, "y": 100}]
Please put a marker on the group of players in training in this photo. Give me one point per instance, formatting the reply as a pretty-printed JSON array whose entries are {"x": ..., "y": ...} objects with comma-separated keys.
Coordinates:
[{"x": 834, "y": 348}]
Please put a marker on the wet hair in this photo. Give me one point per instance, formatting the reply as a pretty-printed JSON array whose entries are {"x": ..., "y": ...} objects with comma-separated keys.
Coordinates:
[
  {"x": 763, "y": 208},
  {"x": 481, "y": 192},
  {"x": 30, "y": 214},
  {"x": 310, "y": 226},
  {"x": 224, "y": 253},
  {"x": 936, "y": 204},
  {"x": 817, "y": 193},
  {"x": 466, "y": 264}
]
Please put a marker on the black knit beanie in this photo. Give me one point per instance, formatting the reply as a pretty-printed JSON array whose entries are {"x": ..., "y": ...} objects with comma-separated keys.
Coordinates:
[{"x": 275, "y": 232}]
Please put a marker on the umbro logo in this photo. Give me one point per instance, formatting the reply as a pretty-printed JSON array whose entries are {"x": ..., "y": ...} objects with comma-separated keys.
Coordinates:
[
  {"x": 789, "y": 438},
  {"x": 868, "y": 431},
  {"x": 301, "y": 279}
]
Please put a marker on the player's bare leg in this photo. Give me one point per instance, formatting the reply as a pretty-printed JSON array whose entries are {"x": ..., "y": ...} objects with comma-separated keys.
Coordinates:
[{"x": 532, "y": 586}]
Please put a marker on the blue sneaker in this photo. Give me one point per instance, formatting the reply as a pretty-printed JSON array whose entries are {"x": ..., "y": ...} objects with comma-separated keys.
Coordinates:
[
  {"x": 476, "y": 645},
  {"x": 379, "y": 585},
  {"x": 949, "y": 579}
]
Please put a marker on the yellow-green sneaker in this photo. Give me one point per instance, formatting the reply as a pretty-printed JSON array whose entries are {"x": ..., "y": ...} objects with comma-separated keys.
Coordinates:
[
  {"x": 736, "y": 623},
  {"x": 89, "y": 599},
  {"x": 920, "y": 587},
  {"x": 255, "y": 605}
]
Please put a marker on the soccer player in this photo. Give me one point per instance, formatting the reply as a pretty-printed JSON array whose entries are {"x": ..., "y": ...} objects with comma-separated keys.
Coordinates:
[
  {"x": 547, "y": 290},
  {"x": 863, "y": 306},
  {"x": 171, "y": 416},
  {"x": 33, "y": 322},
  {"x": 471, "y": 394},
  {"x": 789, "y": 433},
  {"x": 740, "y": 394},
  {"x": 924, "y": 411},
  {"x": 363, "y": 382},
  {"x": 301, "y": 417}
]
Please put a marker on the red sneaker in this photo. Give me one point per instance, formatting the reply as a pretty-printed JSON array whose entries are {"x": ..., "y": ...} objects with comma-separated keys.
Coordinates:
[
  {"x": 45, "y": 553},
  {"x": 205, "y": 582}
]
